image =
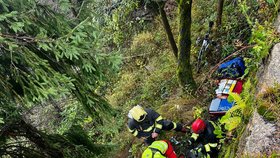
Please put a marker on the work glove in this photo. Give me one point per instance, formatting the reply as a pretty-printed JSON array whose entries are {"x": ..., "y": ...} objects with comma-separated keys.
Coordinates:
[
  {"x": 193, "y": 153},
  {"x": 199, "y": 148}
]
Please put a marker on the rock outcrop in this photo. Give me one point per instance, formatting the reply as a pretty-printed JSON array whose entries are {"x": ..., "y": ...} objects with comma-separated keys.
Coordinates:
[{"x": 262, "y": 138}]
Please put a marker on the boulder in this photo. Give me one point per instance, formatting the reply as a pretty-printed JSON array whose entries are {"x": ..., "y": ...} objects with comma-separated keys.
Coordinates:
[{"x": 271, "y": 72}]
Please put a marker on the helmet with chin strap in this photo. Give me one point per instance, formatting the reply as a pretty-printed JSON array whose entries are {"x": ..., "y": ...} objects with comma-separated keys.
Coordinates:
[
  {"x": 198, "y": 126},
  {"x": 137, "y": 113}
]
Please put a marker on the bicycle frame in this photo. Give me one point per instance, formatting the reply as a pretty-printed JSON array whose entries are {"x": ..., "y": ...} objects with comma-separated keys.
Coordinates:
[{"x": 204, "y": 46}]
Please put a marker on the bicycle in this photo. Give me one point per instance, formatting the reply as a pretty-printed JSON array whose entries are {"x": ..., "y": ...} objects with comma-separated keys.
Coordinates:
[{"x": 204, "y": 47}]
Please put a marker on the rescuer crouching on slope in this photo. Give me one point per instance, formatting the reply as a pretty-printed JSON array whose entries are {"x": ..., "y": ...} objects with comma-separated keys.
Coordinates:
[
  {"x": 146, "y": 123},
  {"x": 203, "y": 133}
]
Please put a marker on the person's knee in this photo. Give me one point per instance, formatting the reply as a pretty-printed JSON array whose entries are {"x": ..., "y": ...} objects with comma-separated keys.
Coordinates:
[
  {"x": 178, "y": 127},
  {"x": 167, "y": 125}
]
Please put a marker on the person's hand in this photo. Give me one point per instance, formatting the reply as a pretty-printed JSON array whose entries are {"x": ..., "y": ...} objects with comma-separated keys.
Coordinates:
[
  {"x": 199, "y": 148},
  {"x": 193, "y": 153},
  {"x": 154, "y": 135}
]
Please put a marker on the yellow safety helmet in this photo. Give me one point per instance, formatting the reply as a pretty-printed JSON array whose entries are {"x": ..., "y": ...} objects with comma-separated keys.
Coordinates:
[
  {"x": 138, "y": 113},
  {"x": 148, "y": 153}
]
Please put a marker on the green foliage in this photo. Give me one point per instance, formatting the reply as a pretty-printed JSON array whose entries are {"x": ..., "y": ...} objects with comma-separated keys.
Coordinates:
[
  {"x": 119, "y": 23},
  {"x": 161, "y": 81},
  {"x": 144, "y": 43},
  {"x": 235, "y": 28},
  {"x": 104, "y": 134},
  {"x": 263, "y": 34},
  {"x": 197, "y": 112},
  {"x": 271, "y": 1},
  {"x": 124, "y": 88},
  {"x": 148, "y": 75},
  {"x": 46, "y": 53},
  {"x": 274, "y": 155},
  {"x": 72, "y": 114},
  {"x": 136, "y": 147},
  {"x": 275, "y": 4},
  {"x": 218, "y": 130},
  {"x": 233, "y": 121},
  {"x": 71, "y": 147},
  {"x": 181, "y": 109},
  {"x": 263, "y": 37},
  {"x": 268, "y": 103},
  {"x": 55, "y": 59},
  {"x": 78, "y": 136},
  {"x": 233, "y": 117}
]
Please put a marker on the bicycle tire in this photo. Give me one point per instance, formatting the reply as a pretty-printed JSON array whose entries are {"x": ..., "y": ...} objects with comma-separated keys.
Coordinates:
[
  {"x": 203, "y": 48},
  {"x": 199, "y": 58}
]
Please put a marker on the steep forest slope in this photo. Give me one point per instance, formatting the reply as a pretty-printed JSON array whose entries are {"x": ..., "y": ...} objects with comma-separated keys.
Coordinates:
[{"x": 240, "y": 29}]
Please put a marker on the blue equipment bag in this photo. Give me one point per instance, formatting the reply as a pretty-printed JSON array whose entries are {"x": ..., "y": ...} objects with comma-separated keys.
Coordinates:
[{"x": 232, "y": 69}]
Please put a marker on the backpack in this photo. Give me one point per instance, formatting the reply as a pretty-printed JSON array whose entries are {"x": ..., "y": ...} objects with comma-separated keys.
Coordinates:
[{"x": 234, "y": 68}]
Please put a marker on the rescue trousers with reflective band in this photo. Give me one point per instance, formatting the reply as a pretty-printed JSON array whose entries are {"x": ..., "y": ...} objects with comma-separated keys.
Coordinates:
[{"x": 209, "y": 150}]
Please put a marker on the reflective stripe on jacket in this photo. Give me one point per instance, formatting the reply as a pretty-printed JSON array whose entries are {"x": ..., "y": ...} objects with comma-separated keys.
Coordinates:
[
  {"x": 152, "y": 123},
  {"x": 207, "y": 138},
  {"x": 160, "y": 145}
]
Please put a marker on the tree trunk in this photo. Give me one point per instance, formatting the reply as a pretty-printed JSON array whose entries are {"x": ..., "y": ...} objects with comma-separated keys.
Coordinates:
[
  {"x": 168, "y": 29},
  {"x": 184, "y": 70},
  {"x": 219, "y": 13}
]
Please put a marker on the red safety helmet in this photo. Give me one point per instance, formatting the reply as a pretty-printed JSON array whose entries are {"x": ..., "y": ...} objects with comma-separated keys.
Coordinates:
[{"x": 198, "y": 126}]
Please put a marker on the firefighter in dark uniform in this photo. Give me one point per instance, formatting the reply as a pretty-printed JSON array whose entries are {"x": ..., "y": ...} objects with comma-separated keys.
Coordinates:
[
  {"x": 203, "y": 133},
  {"x": 146, "y": 123}
]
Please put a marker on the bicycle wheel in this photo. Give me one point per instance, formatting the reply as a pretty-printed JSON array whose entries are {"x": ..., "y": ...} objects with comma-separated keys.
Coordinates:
[
  {"x": 203, "y": 49},
  {"x": 199, "y": 58}
]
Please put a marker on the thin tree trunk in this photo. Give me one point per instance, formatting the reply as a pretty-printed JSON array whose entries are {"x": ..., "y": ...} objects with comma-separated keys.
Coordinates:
[
  {"x": 168, "y": 29},
  {"x": 219, "y": 13},
  {"x": 184, "y": 70}
]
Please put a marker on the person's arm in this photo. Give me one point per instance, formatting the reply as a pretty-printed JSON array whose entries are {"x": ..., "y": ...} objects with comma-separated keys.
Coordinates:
[
  {"x": 207, "y": 148},
  {"x": 158, "y": 120},
  {"x": 132, "y": 129},
  {"x": 193, "y": 138}
]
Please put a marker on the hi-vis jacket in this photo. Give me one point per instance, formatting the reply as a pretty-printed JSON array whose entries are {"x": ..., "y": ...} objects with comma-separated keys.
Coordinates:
[
  {"x": 207, "y": 138},
  {"x": 152, "y": 123}
]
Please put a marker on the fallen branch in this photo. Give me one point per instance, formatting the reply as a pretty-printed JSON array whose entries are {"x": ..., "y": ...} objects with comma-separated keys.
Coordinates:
[{"x": 26, "y": 38}]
